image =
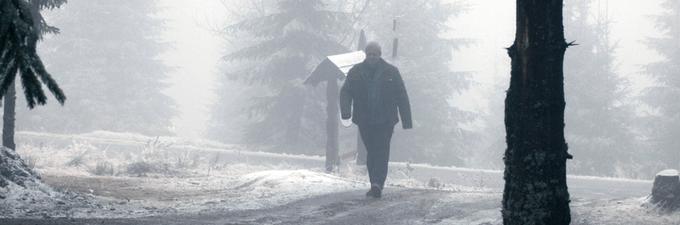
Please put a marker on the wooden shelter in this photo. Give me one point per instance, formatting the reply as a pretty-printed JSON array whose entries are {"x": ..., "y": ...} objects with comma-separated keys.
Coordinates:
[{"x": 330, "y": 70}]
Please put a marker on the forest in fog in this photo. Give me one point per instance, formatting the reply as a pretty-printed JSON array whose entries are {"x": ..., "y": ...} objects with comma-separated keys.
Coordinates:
[{"x": 109, "y": 58}]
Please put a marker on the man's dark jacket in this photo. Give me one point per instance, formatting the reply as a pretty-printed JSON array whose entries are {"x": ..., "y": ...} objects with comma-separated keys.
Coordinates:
[{"x": 374, "y": 95}]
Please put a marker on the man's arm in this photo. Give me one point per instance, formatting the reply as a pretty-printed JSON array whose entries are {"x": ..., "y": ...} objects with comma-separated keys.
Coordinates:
[
  {"x": 346, "y": 98},
  {"x": 403, "y": 103}
]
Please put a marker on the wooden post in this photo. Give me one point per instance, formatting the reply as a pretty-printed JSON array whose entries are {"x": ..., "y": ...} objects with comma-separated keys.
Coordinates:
[
  {"x": 395, "y": 41},
  {"x": 361, "y": 148},
  {"x": 332, "y": 127}
]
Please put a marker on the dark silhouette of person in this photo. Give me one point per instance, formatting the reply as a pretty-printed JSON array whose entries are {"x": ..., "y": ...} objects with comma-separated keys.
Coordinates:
[{"x": 372, "y": 95}]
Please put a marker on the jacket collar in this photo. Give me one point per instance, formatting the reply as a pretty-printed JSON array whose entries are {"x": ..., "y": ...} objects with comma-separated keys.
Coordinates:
[{"x": 379, "y": 65}]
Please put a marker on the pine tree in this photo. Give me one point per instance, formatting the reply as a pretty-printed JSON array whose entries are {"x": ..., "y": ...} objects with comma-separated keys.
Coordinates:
[
  {"x": 595, "y": 115},
  {"x": 424, "y": 59},
  {"x": 18, "y": 55},
  {"x": 664, "y": 122},
  {"x": 285, "y": 42},
  {"x": 108, "y": 57},
  {"x": 535, "y": 160},
  {"x": 9, "y": 111}
]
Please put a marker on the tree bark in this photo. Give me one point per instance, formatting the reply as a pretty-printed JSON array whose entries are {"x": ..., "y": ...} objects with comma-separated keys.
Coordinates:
[
  {"x": 332, "y": 127},
  {"x": 535, "y": 159},
  {"x": 8, "y": 117}
]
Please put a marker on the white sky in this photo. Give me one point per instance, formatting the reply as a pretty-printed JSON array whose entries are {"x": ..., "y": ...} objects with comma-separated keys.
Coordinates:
[{"x": 490, "y": 23}]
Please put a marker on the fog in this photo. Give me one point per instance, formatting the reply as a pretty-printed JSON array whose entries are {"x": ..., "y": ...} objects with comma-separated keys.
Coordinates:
[
  {"x": 288, "y": 111},
  {"x": 204, "y": 89}
]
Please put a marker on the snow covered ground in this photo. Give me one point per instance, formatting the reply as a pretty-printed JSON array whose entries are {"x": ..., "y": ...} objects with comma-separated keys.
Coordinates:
[{"x": 128, "y": 178}]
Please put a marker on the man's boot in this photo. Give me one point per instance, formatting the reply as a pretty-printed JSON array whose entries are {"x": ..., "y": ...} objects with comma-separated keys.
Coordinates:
[{"x": 375, "y": 192}]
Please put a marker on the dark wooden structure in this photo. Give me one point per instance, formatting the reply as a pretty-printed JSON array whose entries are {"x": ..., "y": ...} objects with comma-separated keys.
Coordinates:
[{"x": 329, "y": 71}]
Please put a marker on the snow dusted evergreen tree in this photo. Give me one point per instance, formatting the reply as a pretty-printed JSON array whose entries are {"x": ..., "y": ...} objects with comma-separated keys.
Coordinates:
[
  {"x": 37, "y": 6},
  {"x": 9, "y": 111},
  {"x": 19, "y": 34},
  {"x": 664, "y": 121},
  {"x": 286, "y": 41},
  {"x": 18, "y": 54},
  {"x": 595, "y": 116},
  {"x": 108, "y": 58},
  {"x": 18, "y": 57},
  {"x": 424, "y": 60}
]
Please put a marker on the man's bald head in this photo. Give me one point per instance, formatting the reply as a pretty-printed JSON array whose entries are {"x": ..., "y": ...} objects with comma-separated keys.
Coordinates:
[
  {"x": 373, "y": 47},
  {"x": 373, "y": 52}
]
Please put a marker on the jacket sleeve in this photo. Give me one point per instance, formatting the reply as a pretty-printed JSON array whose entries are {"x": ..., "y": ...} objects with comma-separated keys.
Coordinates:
[
  {"x": 346, "y": 98},
  {"x": 403, "y": 103}
]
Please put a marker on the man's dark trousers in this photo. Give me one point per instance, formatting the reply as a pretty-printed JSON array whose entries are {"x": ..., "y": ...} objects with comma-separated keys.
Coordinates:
[{"x": 377, "y": 139}]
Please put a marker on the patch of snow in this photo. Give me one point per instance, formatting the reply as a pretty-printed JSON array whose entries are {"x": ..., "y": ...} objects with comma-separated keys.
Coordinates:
[
  {"x": 277, "y": 187},
  {"x": 620, "y": 211},
  {"x": 668, "y": 173}
]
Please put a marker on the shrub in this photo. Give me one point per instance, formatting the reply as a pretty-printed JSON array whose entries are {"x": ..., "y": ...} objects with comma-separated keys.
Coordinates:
[
  {"x": 140, "y": 168},
  {"x": 103, "y": 169},
  {"x": 76, "y": 161}
]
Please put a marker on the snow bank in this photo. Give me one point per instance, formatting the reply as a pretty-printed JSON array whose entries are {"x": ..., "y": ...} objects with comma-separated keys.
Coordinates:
[
  {"x": 291, "y": 180},
  {"x": 13, "y": 170},
  {"x": 24, "y": 195},
  {"x": 277, "y": 187},
  {"x": 20, "y": 186},
  {"x": 668, "y": 173}
]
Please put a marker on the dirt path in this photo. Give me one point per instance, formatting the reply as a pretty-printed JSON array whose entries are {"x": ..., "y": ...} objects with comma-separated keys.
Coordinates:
[
  {"x": 398, "y": 206},
  {"x": 129, "y": 188}
]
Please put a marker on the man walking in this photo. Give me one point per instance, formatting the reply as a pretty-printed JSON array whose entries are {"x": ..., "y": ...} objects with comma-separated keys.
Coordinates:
[{"x": 372, "y": 95}]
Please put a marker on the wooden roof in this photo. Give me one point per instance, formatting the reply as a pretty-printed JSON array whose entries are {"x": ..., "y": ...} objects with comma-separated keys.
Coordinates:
[{"x": 335, "y": 67}]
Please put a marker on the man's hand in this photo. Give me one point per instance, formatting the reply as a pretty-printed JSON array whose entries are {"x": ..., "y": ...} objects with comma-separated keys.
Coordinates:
[{"x": 406, "y": 126}]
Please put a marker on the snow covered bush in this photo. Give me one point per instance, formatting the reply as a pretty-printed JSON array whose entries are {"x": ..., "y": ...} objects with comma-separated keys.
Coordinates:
[
  {"x": 103, "y": 169},
  {"x": 14, "y": 170},
  {"x": 140, "y": 169}
]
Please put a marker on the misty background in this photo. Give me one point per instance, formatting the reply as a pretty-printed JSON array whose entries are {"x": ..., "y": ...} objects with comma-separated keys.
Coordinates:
[{"x": 232, "y": 71}]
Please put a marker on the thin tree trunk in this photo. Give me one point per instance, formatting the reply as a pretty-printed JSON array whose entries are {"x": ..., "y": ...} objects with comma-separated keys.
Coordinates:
[
  {"x": 535, "y": 160},
  {"x": 8, "y": 117},
  {"x": 332, "y": 127}
]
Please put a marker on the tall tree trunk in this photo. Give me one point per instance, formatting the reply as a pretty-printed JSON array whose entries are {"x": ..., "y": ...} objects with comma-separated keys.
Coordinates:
[
  {"x": 535, "y": 160},
  {"x": 8, "y": 117},
  {"x": 332, "y": 128}
]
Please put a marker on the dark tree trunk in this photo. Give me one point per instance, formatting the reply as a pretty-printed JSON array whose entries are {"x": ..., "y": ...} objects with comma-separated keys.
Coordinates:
[
  {"x": 332, "y": 128},
  {"x": 8, "y": 117},
  {"x": 535, "y": 160}
]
